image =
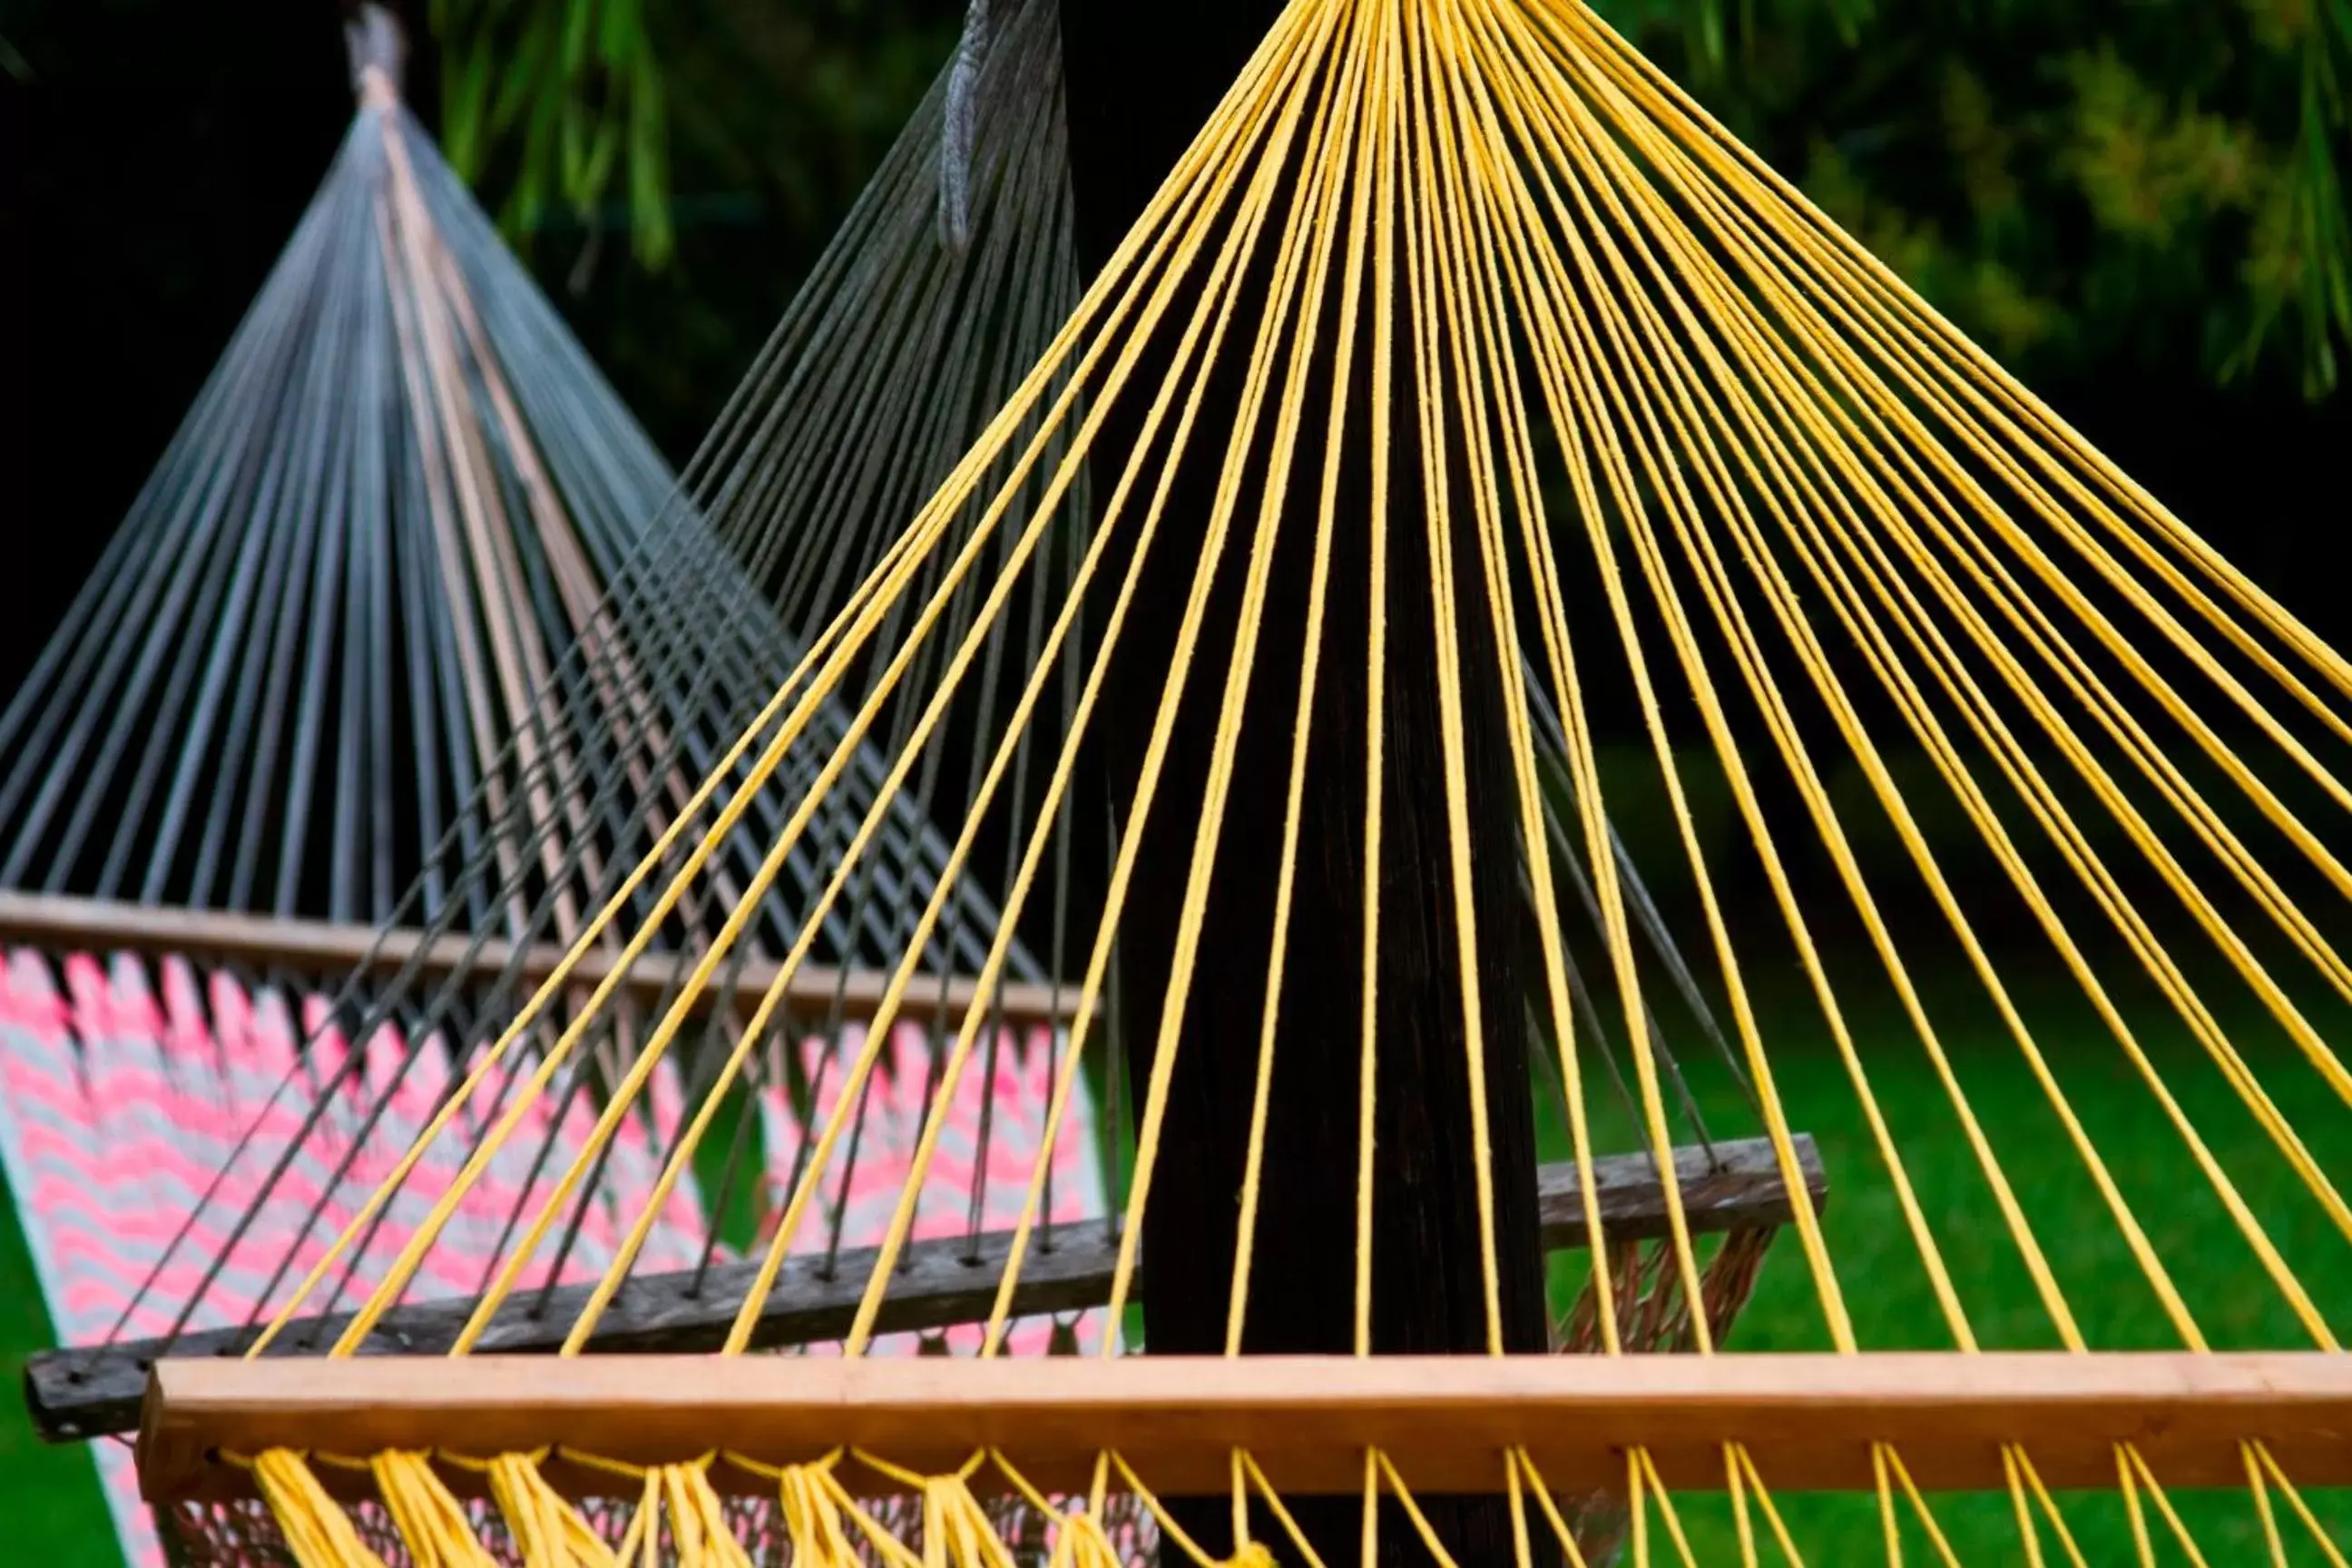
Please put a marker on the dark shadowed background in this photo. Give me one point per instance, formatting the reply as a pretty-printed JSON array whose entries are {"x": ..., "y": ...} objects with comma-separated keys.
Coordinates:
[{"x": 2097, "y": 191}]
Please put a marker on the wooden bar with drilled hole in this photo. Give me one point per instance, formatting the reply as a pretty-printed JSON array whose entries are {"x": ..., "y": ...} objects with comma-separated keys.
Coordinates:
[
  {"x": 1811, "y": 1421},
  {"x": 87, "y": 1392}
]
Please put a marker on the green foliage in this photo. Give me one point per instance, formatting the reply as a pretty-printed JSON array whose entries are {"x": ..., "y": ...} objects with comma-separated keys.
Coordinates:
[
  {"x": 801, "y": 100},
  {"x": 56, "y": 1513},
  {"x": 573, "y": 90},
  {"x": 553, "y": 104},
  {"x": 2081, "y": 186}
]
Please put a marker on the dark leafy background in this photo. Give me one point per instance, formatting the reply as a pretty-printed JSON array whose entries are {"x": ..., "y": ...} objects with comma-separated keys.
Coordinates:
[{"x": 2139, "y": 203}]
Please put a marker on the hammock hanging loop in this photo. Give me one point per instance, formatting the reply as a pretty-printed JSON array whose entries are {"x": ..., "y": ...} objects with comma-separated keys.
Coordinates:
[
  {"x": 378, "y": 54},
  {"x": 958, "y": 128}
]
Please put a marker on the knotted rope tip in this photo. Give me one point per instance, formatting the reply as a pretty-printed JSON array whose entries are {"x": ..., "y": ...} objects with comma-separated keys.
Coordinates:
[
  {"x": 1251, "y": 1554},
  {"x": 319, "y": 1532},
  {"x": 378, "y": 54},
  {"x": 958, "y": 127}
]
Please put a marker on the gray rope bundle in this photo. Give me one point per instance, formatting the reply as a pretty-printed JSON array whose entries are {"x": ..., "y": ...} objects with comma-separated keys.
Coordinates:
[
  {"x": 376, "y": 43},
  {"x": 957, "y": 132}
]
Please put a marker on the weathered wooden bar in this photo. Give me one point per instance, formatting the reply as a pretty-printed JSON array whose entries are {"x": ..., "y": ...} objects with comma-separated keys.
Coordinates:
[
  {"x": 84, "y": 1392},
  {"x": 322, "y": 948},
  {"x": 1809, "y": 1421}
]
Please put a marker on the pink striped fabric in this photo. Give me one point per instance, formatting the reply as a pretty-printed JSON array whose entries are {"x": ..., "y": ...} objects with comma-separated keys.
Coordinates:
[
  {"x": 894, "y": 1116},
  {"x": 119, "y": 1106},
  {"x": 124, "y": 1091}
]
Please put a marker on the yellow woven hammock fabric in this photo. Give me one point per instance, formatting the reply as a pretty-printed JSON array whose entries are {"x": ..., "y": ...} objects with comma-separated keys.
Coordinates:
[{"x": 1799, "y": 493}]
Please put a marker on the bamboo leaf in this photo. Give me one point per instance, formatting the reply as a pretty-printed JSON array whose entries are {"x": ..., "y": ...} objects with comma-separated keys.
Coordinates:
[
  {"x": 648, "y": 166},
  {"x": 526, "y": 86},
  {"x": 599, "y": 173},
  {"x": 463, "y": 102},
  {"x": 622, "y": 38},
  {"x": 578, "y": 21},
  {"x": 573, "y": 139}
]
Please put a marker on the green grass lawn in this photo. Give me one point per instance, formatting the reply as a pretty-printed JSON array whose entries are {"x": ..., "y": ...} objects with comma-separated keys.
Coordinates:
[
  {"x": 1888, "y": 1289},
  {"x": 54, "y": 1515},
  {"x": 50, "y": 1507}
]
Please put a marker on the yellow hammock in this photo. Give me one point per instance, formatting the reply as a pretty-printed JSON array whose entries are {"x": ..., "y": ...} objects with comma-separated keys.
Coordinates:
[{"x": 1797, "y": 496}]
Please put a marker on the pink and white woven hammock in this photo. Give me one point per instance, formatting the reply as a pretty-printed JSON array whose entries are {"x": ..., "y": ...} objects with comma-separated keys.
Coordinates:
[{"x": 124, "y": 1093}]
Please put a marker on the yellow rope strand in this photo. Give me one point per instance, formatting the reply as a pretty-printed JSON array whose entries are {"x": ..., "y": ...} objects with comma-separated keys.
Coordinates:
[
  {"x": 1169, "y": 1527},
  {"x": 1525, "y": 1467},
  {"x": 2319, "y": 1535},
  {"x": 1772, "y": 1510},
  {"x": 1572, "y": 397},
  {"x": 2164, "y": 1506},
  {"x": 1637, "y": 1506},
  {"x": 318, "y": 1533},
  {"x": 1919, "y": 1507},
  {"x": 1420, "y": 1520},
  {"x": 2242, "y": 1216},
  {"x": 2029, "y": 1534},
  {"x": 1666, "y": 1507},
  {"x": 1281, "y": 1510},
  {"x": 430, "y": 1519},
  {"x": 1318, "y": 585},
  {"x": 877, "y": 1031},
  {"x": 1742, "y": 1525},
  {"x": 1681, "y": 509},
  {"x": 1194, "y": 899},
  {"x": 903, "y": 1220},
  {"x": 1890, "y": 1531},
  {"x": 1432, "y": 288},
  {"x": 1529, "y": 499},
  {"x": 1386, "y": 98},
  {"x": 2263, "y": 1510},
  {"x": 2049, "y": 1507}
]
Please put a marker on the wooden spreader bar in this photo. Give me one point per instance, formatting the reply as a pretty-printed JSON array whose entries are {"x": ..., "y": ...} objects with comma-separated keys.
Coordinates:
[
  {"x": 79, "y": 1394},
  {"x": 1809, "y": 1421},
  {"x": 316, "y": 947}
]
